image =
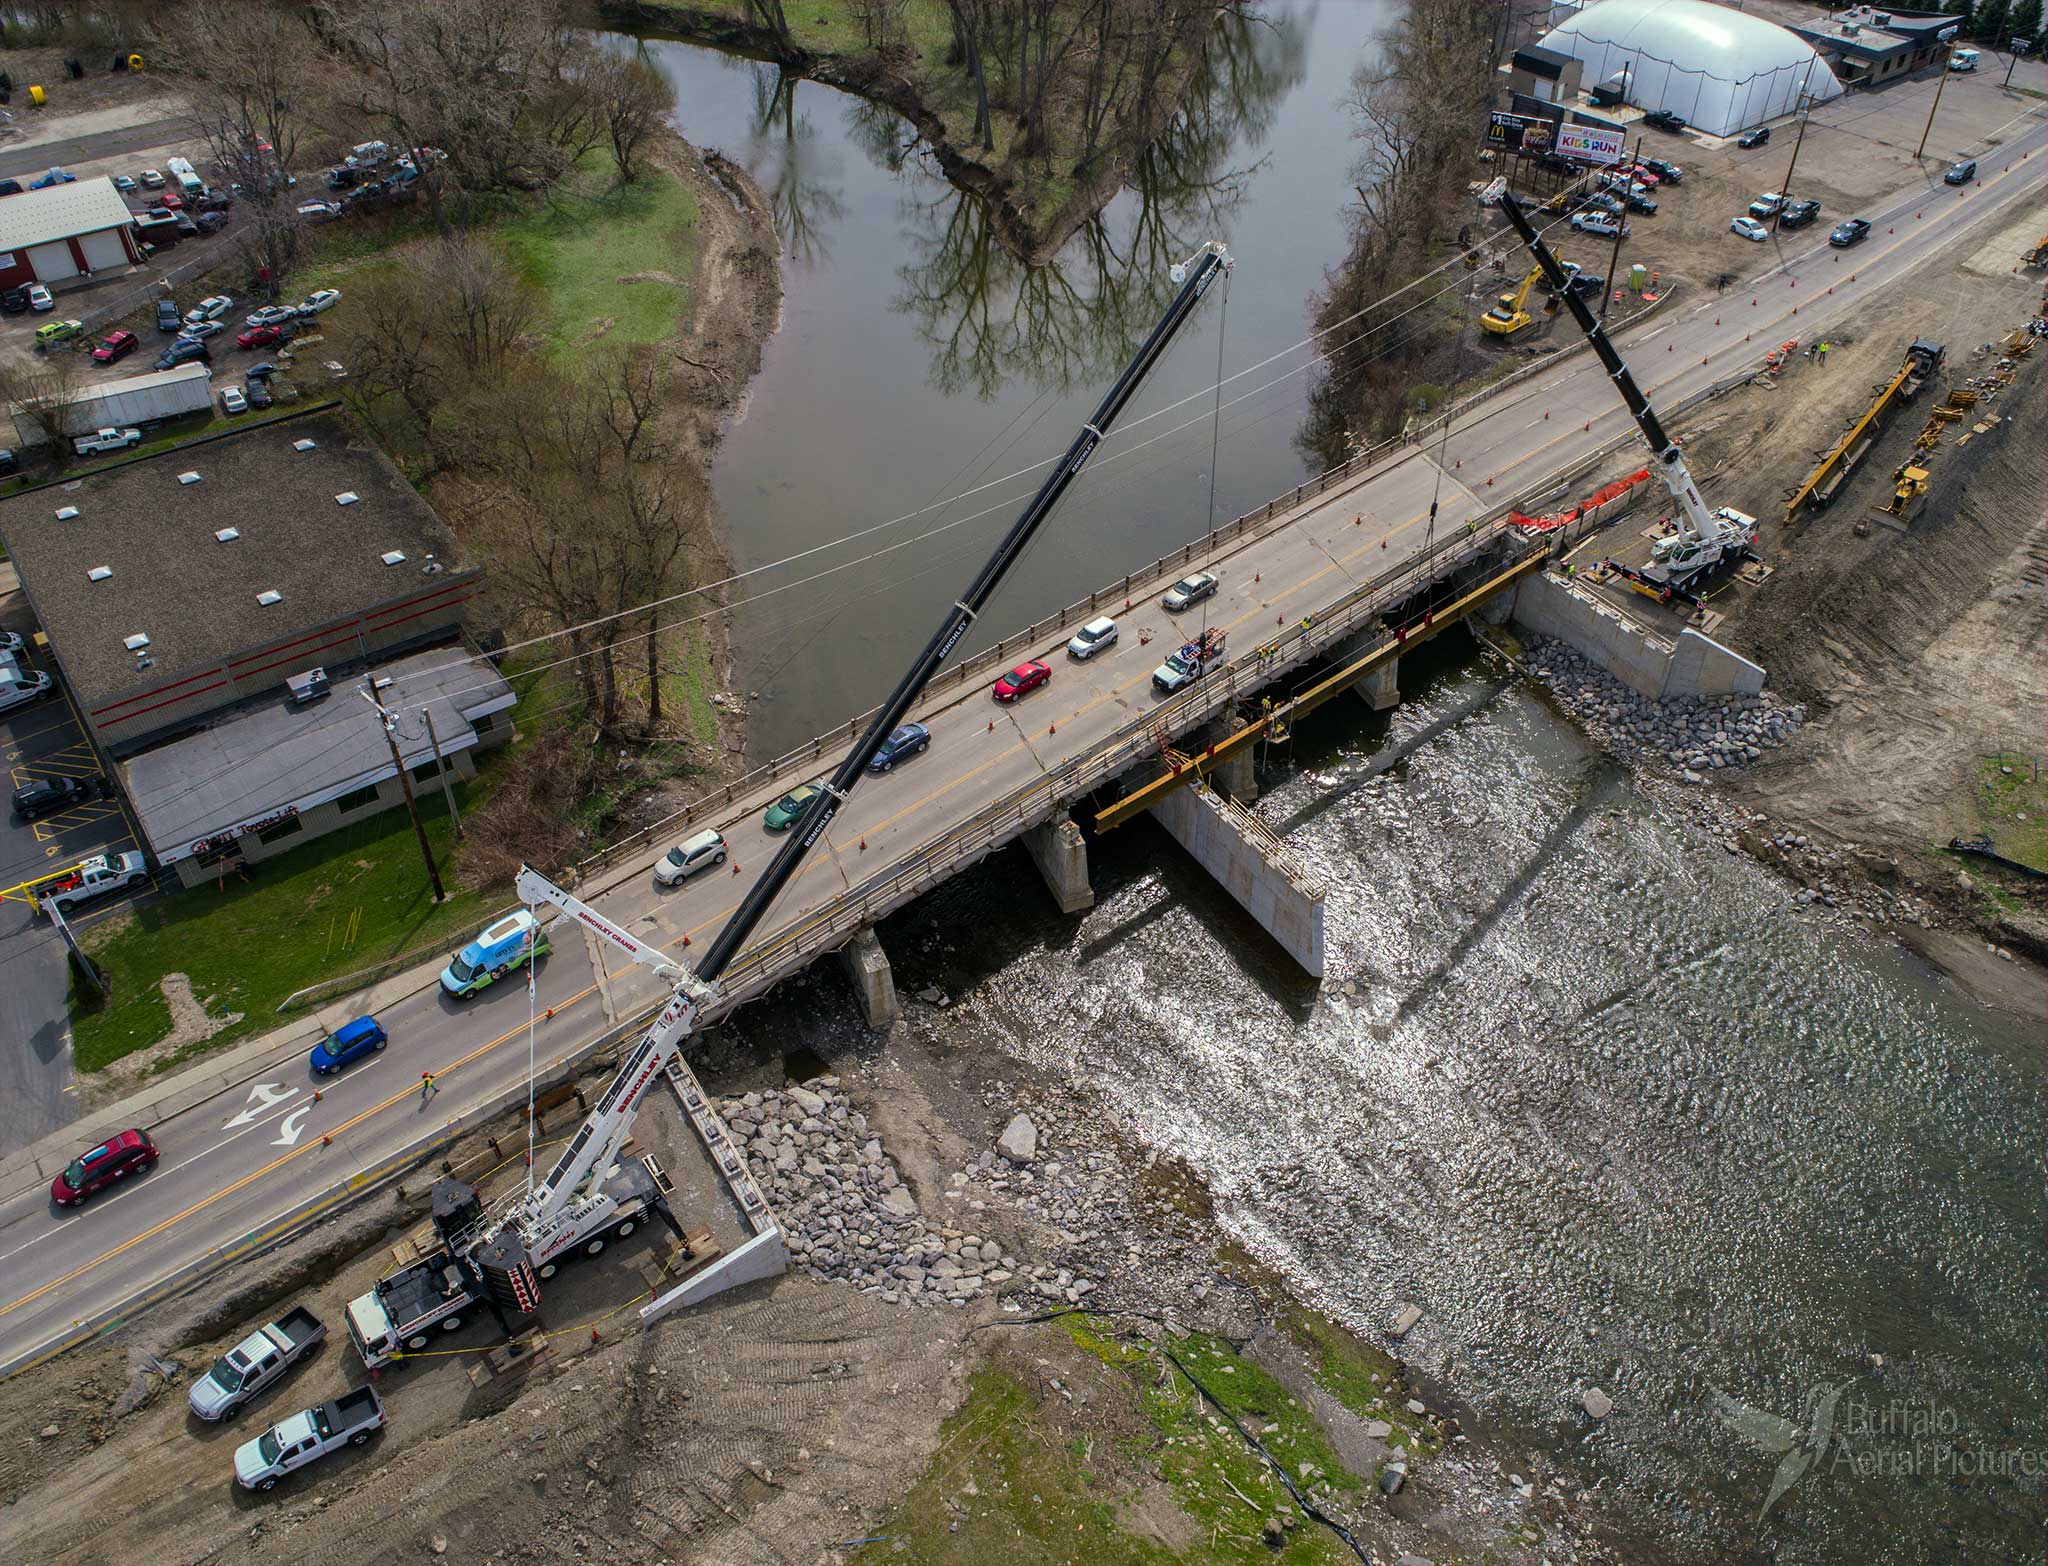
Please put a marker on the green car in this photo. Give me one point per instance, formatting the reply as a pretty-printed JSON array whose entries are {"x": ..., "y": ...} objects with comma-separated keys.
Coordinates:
[
  {"x": 56, "y": 331},
  {"x": 788, "y": 810}
]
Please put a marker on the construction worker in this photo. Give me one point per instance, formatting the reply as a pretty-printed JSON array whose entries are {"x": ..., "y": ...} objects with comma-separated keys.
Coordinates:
[
  {"x": 428, "y": 1086},
  {"x": 1823, "y": 353}
]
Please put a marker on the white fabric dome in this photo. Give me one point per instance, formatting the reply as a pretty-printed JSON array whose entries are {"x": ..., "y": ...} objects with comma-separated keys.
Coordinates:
[{"x": 1722, "y": 70}]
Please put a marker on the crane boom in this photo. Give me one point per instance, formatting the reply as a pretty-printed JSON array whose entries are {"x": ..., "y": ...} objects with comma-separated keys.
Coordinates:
[{"x": 578, "y": 1193}]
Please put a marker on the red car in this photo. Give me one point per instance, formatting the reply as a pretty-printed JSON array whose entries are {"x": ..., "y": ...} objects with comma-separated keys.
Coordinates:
[
  {"x": 261, "y": 337},
  {"x": 1022, "y": 680},
  {"x": 1645, "y": 173},
  {"x": 172, "y": 200},
  {"x": 114, "y": 1160},
  {"x": 115, "y": 345}
]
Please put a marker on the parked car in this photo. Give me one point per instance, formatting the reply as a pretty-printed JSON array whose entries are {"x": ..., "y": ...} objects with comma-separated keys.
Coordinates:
[
  {"x": 1190, "y": 590},
  {"x": 1963, "y": 60},
  {"x": 1599, "y": 225},
  {"x": 93, "y": 442},
  {"x": 1754, "y": 138},
  {"x": 271, "y": 315},
  {"x": 100, "y": 876},
  {"x": 213, "y": 201},
  {"x": 211, "y": 308},
  {"x": 1850, "y": 233},
  {"x": 124, "y": 183},
  {"x": 232, "y": 401},
  {"x": 1766, "y": 206},
  {"x": 19, "y": 686},
  {"x": 114, "y": 1160},
  {"x": 152, "y": 179},
  {"x": 1022, "y": 680},
  {"x": 168, "y": 318},
  {"x": 1664, "y": 120},
  {"x": 259, "y": 372},
  {"x": 44, "y": 796},
  {"x": 1669, "y": 173},
  {"x": 54, "y": 177},
  {"x": 10, "y": 187},
  {"x": 1798, "y": 214},
  {"x": 1749, "y": 228},
  {"x": 14, "y": 301},
  {"x": 354, "y": 1040},
  {"x": 1961, "y": 173},
  {"x": 319, "y": 299},
  {"x": 319, "y": 211},
  {"x": 254, "y": 1363},
  {"x": 308, "y": 1436},
  {"x": 693, "y": 854},
  {"x": 913, "y": 739},
  {"x": 172, "y": 201},
  {"x": 499, "y": 948},
  {"x": 210, "y": 222},
  {"x": 1092, "y": 638},
  {"x": 9, "y": 463},
  {"x": 1613, "y": 206},
  {"x": 199, "y": 331},
  {"x": 1642, "y": 204},
  {"x": 1643, "y": 173},
  {"x": 787, "y": 811},
  {"x": 39, "y": 298},
  {"x": 263, "y": 336},
  {"x": 53, "y": 332},
  {"x": 113, "y": 346},
  {"x": 1587, "y": 285},
  {"x": 12, "y": 644},
  {"x": 183, "y": 351},
  {"x": 258, "y": 391}
]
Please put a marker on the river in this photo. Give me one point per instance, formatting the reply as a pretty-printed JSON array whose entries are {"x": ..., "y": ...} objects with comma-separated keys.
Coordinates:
[{"x": 1583, "y": 1086}]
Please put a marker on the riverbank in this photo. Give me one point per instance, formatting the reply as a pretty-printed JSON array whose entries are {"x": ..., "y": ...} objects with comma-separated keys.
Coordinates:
[{"x": 1035, "y": 202}]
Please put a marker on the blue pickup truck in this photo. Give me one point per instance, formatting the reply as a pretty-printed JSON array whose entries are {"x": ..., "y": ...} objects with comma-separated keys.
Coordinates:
[{"x": 512, "y": 941}]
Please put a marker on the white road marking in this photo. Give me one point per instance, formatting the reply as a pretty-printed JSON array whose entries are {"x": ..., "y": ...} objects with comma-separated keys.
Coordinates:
[
  {"x": 271, "y": 1095},
  {"x": 291, "y": 1126}
]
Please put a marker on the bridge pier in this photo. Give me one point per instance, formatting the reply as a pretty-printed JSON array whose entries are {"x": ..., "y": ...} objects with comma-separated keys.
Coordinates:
[
  {"x": 1379, "y": 687},
  {"x": 874, "y": 982},
  {"x": 1061, "y": 854},
  {"x": 1254, "y": 866},
  {"x": 1235, "y": 776}
]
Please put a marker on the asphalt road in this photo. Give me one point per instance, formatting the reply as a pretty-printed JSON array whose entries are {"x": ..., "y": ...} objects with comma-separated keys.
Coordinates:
[{"x": 236, "y": 1164}]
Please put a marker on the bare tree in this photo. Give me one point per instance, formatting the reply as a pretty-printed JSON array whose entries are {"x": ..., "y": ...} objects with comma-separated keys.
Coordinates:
[
  {"x": 472, "y": 300},
  {"x": 398, "y": 372},
  {"x": 628, "y": 99},
  {"x": 42, "y": 393}
]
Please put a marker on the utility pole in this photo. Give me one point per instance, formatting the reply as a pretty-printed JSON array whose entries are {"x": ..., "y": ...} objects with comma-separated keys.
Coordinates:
[
  {"x": 1805, "y": 111},
  {"x": 1925, "y": 130},
  {"x": 441, "y": 771},
  {"x": 1620, "y": 223},
  {"x": 412, "y": 807}
]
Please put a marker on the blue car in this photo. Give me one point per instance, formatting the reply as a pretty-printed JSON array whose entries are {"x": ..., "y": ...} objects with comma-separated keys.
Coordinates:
[
  {"x": 508, "y": 944},
  {"x": 913, "y": 739},
  {"x": 350, "y": 1041},
  {"x": 54, "y": 177}
]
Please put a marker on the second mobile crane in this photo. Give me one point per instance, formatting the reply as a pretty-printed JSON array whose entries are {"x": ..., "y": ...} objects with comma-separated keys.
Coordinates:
[
  {"x": 1707, "y": 542},
  {"x": 496, "y": 1260}
]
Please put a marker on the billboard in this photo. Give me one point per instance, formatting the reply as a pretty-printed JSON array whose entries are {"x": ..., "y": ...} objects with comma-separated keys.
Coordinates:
[{"x": 1591, "y": 143}]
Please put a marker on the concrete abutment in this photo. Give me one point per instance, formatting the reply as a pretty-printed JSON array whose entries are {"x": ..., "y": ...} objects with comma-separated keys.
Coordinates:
[
  {"x": 1061, "y": 854},
  {"x": 1252, "y": 865},
  {"x": 874, "y": 981}
]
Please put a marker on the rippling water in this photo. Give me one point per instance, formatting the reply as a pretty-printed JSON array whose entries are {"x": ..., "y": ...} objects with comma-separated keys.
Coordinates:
[{"x": 1598, "y": 1098}]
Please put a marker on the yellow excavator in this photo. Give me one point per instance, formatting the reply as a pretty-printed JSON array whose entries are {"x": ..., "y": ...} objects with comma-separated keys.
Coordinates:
[{"x": 1510, "y": 313}]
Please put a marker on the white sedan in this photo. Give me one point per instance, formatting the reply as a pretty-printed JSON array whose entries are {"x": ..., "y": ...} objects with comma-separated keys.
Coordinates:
[
  {"x": 39, "y": 298},
  {"x": 1750, "y": 228},
  {"x": 319, "y": 299},
  {"x": 232, "y": 400}
]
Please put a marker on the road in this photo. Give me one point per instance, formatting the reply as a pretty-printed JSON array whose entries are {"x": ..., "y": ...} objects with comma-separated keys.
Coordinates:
[{"x": 235, "y": 1165}]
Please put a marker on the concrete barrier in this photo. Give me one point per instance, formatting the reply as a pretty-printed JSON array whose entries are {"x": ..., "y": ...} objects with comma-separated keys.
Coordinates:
[
  {"x": 1252, "y": 865},
  {"x": 1646, "y": 663}
]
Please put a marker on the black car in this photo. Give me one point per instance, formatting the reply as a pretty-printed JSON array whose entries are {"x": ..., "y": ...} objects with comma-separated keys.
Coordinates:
[
  {"x": 213, "y": 201},
  {"x": 1669, "y": 173},
  {"x": 9, "y": 462},
  {"x": 183, "y": 351},
  {"x": 167, "y": 317},
  {"x": 1754, "y": 138},
  {"x": 45, "y": 795},
  {"x": 259, "y": 392},
  {"x": 257, "y": 372},
  {"x": 1961, "y": 173},
  {"x": 1642, "y": 204},
  {"x": 1849, "y": 233},
  {"x": 211, "y": 222},
  {"x": 1798, "y": 214},
  {"x": 14, "y": 301},
  {"x": 10, "y": 187},
  {"x": 1587, "y": 285},
  {"x": 1664, "y": 120}
]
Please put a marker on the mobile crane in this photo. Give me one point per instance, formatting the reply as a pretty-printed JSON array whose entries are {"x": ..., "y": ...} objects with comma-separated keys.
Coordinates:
[
  {"x": 498, "y": 1259},
  {"x": 1706, "y": 541}
]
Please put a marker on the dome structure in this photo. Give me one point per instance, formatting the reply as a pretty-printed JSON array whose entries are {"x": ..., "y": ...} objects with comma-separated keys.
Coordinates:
[{"x": 1722, "y": 70}]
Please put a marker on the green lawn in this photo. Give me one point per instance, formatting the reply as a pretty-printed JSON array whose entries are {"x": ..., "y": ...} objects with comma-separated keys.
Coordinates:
[
  {"x": 337, "y": 904},
  {"x": 590, "y": 236}
]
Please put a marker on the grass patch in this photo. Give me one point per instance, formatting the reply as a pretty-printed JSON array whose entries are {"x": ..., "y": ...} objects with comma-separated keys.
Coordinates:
[
  {"x": 2010, "y": 802},
  {"x": 588, "y": 237},
  {"x": 337, "y": 904}
]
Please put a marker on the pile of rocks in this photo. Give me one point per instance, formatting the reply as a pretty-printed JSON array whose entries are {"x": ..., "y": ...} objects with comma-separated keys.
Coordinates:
[
  {"x": 845, "y": 1211},
  {"x": 1694, "y": 734}
]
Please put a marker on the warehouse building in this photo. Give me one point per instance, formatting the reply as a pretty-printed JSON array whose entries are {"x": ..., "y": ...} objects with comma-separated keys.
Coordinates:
[
  {"x": 66, "y": 231},
  {"x": 214, "y": 612}
]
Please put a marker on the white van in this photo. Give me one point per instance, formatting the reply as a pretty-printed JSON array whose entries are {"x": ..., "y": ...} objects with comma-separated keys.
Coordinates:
[{"x": 1963, "y": 60}]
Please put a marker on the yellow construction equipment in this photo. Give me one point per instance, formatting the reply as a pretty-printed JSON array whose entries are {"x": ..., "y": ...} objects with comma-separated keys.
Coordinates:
[
  {"x": 1909, "y": 492},
  {"x": 1509, "y": 315},
  {"x": 1833, "y": 470},
  {"x": 2038, "y": 255}
]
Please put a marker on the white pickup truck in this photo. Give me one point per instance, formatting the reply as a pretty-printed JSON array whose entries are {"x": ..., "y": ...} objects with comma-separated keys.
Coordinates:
[
  {"x": 306, "y": 1437},
  {"x": 94, "y": 877},
  {"x": 106, "y": 440},
  {"x": 255, "y": 1363}
]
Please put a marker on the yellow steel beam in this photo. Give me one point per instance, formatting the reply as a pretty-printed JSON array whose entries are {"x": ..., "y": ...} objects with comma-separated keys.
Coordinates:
[
  {"x": 1827, "y": 464},
  {"x": 1185, "y": 769}
]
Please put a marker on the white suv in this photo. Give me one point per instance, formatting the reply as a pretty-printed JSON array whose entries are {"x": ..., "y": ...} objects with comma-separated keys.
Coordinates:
[{"x": 689, "y": 856}]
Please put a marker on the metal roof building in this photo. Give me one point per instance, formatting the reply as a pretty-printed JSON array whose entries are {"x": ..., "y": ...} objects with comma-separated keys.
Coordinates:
[
  {"x": 1723, "y": 70},
  {"x": 65, "y": 231}
]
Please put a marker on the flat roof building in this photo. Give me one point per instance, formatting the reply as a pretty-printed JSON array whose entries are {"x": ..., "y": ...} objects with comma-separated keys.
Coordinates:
[
  {"x": 1867, "y": 44},
  {"x": 65, "y": 231}
]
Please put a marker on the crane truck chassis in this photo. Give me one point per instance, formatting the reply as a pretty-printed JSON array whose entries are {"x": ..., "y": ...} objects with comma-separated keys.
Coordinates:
[{"x": 496, "y": 1260}]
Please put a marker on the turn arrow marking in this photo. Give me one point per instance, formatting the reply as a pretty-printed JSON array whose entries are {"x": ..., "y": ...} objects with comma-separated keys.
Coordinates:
[
  {"x": 263, "y": 1096},
  {"x": 291, "y": 1126}
]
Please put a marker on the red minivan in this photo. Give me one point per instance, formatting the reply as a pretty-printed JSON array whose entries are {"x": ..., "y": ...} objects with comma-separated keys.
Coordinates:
[
  {"x": 116, "y": 345},
  {"x": 132, "y": 1152}
]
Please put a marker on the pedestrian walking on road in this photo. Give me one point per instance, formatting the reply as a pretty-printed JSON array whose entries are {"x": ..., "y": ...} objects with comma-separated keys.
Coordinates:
[{"x": 428, "y": 1086}]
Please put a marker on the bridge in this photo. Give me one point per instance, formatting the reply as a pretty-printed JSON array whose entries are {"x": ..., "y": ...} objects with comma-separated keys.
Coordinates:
[{"x": 1338, "y": 572}]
